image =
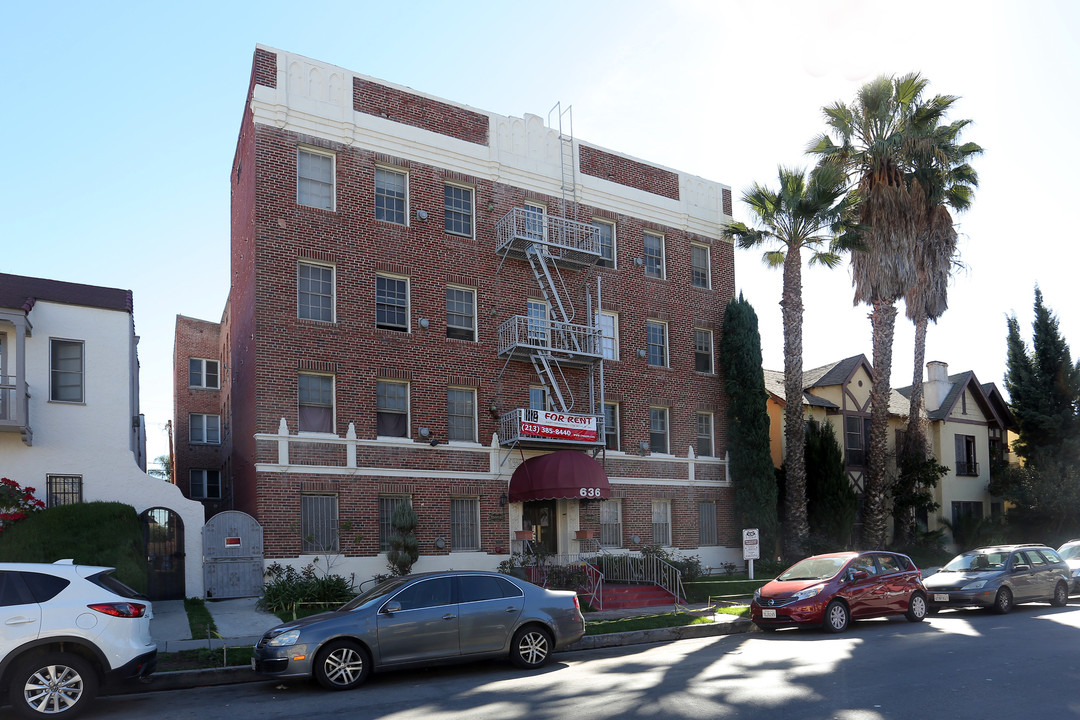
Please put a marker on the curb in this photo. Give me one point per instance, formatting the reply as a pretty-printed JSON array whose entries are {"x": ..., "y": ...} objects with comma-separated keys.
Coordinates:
[{"x": 184, "y": 679}]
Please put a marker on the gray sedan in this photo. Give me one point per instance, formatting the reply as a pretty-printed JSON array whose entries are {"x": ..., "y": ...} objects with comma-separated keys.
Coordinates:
[{"x": 420, "y": 620}]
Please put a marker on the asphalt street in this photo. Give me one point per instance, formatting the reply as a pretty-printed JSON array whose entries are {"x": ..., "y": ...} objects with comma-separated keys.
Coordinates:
[{"x": 956, "y": 664}]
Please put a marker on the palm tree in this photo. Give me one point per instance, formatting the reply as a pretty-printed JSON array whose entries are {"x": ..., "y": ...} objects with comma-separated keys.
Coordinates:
[
  {"x": 801, "y": 214},
  {"x": 873, "y": 149}
]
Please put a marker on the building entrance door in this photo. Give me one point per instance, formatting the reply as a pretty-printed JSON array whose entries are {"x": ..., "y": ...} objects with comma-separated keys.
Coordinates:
[{"x": 539, "y": 516}]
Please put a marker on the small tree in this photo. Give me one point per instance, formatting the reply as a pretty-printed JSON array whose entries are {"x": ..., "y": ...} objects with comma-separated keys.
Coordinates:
[{"x": 404, "y": 547}]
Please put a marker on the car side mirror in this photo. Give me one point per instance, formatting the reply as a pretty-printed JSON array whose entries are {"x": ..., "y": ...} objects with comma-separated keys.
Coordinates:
[
  {"x": 391, "y": 607},
  {"x": 859, "y": 575},
  {"x": 1018, "y": 568}
]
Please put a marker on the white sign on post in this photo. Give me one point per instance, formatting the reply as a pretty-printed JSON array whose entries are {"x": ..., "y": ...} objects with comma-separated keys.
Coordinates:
[{"x": 751, "y": 548}]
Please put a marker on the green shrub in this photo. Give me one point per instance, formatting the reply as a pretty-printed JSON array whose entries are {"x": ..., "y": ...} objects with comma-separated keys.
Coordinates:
[
  {"x": 93, "y": 533},
  {"x": 286, "y": 586}
]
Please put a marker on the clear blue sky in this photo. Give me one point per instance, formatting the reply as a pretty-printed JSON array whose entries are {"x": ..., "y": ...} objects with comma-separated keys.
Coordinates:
[{"x": 121, "y": 120}]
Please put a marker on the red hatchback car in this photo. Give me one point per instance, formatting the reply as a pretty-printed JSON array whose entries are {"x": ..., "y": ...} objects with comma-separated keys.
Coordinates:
[{"x": 829, "y": 591}]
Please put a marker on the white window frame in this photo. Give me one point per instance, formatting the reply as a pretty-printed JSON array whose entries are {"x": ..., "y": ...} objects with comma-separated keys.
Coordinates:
[
  {"x": 661, "y": 522},
  {"x": 449, "y": 212},
  {"x": 532, "y": 230},
  {"x": 711, "y": 435},
  {"x": 646, "y": 257},
  {"x": 609, "y": 343},
  {"x": 649, "y": 344},
  {"x": 545, "y": 395},
  {"x": 707, "y": 269},
  {"x": 408, "y": 302},
  {"x": 712, "y": 353},
  {"x": 380, "y": 192},
  {"x": 538, "y": 329},
  {"x": 604, "y": 261},
  {"x": 204, "y": 434},
  {"x": 472, "y": 417},
  {"x": 203, "y": 484},
  {"x": 301, "y": 292},
  {"x": 460, "y": 329},
  {"x": 464, "y": 537},
  {"x": 615, "y": 416},
  {"x": 387, "y": 504},
  {"x": 666, "y": 416},
  {"x": 300, "y": 199},
  {"x": 407, "y": 413},
  {"x": 332, "y": 405},
  {"x": 611, "y": 510},
  {"x": 203, "y": 364},
  {"x": 325, "y": 514},
  {"x": 80, "y": 373}
]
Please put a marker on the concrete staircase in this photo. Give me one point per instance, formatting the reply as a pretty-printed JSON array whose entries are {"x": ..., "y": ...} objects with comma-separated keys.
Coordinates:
[{"x": 620, "y": 597}]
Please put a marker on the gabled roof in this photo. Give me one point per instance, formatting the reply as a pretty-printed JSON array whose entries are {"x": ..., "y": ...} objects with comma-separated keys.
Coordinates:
[
  {"x": 774, "y": 384},
  {"x": 837, "y": 373},
  {"x": 986, "y": 395},
  {"x": 18, "y": 292}
]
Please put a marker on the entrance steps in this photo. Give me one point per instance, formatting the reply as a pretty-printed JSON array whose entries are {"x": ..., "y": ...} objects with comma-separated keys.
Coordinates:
[{"x": 620, "y": 596}]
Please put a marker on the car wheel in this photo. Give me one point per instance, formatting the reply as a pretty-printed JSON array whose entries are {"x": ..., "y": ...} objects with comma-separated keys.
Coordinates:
[
  {"x": 1003, "y": 603},
  {"x": 916, "y": 610},
  {"x": 836, "y": 617},
  {"x": 342, "y": 665},
  {"x": 1061, "y": 595},
  {"x": 57, "y": 685},
  {"x": 531, "y": 647}
]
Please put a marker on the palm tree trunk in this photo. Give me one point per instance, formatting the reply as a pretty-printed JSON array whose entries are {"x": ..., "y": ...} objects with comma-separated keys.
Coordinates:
[
  {"x": 914, "y": 451},
  {"x": 915, "y": 424},
  {"x": 796, "y": 526},
  {"x": 883, "y": 323}
]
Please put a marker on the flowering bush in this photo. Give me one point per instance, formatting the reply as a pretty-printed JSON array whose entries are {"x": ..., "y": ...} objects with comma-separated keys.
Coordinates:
[{"x": 16, "y": 502}]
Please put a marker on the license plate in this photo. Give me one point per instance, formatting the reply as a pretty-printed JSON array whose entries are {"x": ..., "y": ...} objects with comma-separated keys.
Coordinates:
[
  {"x": 768, "y": 614},
  {"x": 941, "y": 597}
]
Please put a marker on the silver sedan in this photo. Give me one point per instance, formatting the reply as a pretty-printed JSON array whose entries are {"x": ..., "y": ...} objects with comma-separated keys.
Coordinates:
[{"x": 424, "y": 619}]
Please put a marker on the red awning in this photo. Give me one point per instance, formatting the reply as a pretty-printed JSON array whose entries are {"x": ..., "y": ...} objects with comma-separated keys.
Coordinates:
[{"x": 562, "y": 474}]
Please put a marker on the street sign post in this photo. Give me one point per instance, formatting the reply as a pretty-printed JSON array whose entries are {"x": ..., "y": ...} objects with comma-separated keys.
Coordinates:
[{"x": 751, "y": 548}]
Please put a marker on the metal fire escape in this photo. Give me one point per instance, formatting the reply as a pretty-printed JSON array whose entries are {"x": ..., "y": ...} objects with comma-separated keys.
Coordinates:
[{"x": 553, "y": 244}]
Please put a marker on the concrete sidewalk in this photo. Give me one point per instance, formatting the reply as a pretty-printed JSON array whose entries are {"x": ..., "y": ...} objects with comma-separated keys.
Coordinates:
[{"x": 238, "y": 622}]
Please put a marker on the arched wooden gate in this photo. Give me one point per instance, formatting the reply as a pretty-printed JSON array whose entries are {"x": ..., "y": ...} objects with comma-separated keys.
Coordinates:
[
  {"x": 232, "y": 556},
  {"x": 163, "y": 537}
]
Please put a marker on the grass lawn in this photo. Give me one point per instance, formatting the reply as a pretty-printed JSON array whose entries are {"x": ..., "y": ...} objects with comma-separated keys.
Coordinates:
[
  {"x": 714, "y": 587},
  {"x": 199, "y": 619}
]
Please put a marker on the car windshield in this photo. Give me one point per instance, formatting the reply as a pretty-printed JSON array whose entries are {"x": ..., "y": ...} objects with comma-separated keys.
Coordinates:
[
  {"x": 814, "y": 568},
  {"x": 381, "y": 590},
  {"x": 978, "y": 561},
  {"x": 1070, "y": 551}
]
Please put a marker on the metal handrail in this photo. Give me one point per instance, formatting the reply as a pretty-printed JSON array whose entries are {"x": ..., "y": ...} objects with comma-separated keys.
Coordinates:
[
  {"x": 510, "y": 427},
  {"x": 522, "y": 331},
  {"x": 559, "y": 234}
]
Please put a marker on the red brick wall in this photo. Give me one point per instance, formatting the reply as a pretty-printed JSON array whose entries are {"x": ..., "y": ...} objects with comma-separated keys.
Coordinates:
[
  {"x": 265, "y": 68},
  {"x": 374, "y": 99},
  {"x": 193, "y": 339},
  {"x": 625, "y": 171}
]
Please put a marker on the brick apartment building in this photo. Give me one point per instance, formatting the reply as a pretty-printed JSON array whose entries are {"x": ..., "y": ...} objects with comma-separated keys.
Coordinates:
[{"x": 511, "y": 329}]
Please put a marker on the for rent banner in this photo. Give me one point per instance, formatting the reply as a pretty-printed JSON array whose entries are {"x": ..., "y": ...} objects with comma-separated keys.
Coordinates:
[{"x": 561, "y": 426}]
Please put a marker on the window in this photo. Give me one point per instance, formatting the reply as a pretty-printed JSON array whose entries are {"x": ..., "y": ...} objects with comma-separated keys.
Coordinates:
[
  {"x": 700, "y": 276},
  {"x": 460, "y": 313},
  {"x": 316, "y": 403},
  {"x": 705, "y": 434},
  {"x": 966, "y": 463},
  {"x": 203, "y": 373},
  {"x": 63, "y": 490},
  {"x": 661, "y": 522},
  {"x": 707, "y": 523},
  {"x": 461, "y": 414},
  {"x": 534, "y": 221},
  {"x": 66, "y": 376},
  {"x": 996, "y": 445},
  {"x": 392, "y": 303},
  {"x": 606, "y": 230},
  {"x": 315, "y": 292},
  {"x": 703, "y": 345},
  {"x": 390, "y": 195},
  {"x": 387, "y": 505},
  {"x": 465, "y": 523},
  {"x": 538, "y": 398},
  {"x": 392, "y": 409},
  {"x": 657, "y": 341},
  {"x": 965, "y": 510},
  {"x": 426, "y": 594},
  {"x": 611, "y": 523},
  {"x": 658, "y": 429},
  {"x": 204, "y": 484},
  {"x": 315, "y": 179},
  {"x": 608, "y": 322},
  {"x": 537, "y": 311},
  {"x": 458, "y": 210},
  {"x": 654, "y": 255},
  {"x": 319, "y": 523},
  {"x": 856, "y": 430},
  {"x": 204, "y": 429},
  {"x": 611, "y": 426}
]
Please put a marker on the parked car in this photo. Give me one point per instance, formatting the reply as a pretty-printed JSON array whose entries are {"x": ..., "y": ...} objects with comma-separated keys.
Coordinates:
[
  {"x": 999, "y": 577},
  {"x": 1070, "y": 553},
  {"x": 69, "y": 630},
  {"x": 829, "y": 591},
  {"x": 423, "y": 619}
]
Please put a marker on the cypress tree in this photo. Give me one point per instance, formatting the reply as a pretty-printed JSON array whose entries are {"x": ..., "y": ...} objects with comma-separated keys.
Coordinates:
[
  {"x": 753, "y": 476},
  {"x": 831, "y": 502}
]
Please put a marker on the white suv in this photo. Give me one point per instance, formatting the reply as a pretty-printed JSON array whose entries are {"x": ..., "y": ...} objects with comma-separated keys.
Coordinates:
[{"x": 65, "y": 631}]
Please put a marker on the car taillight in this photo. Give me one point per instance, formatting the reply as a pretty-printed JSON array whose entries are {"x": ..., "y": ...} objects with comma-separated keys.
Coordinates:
[
  {"x": 577, "y": 603},
  {"x": 120, "y": 609}
]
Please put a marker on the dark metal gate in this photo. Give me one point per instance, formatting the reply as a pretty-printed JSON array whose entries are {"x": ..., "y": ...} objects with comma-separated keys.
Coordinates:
[
  {"x": 232, "y": 556},
  {"x": 163, "y": 537}
]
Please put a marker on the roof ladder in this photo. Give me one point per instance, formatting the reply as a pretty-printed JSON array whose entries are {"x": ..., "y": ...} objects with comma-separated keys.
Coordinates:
[{"x": 542, "y": 364}]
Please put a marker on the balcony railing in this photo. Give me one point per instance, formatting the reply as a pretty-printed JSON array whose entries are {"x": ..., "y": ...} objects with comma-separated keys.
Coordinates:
[
  {"x": 15, "y": 407},
  {"x": 570, "y": 243},
  {"x": 522, "y": 336},
  {"x": 535, "y": 426}
]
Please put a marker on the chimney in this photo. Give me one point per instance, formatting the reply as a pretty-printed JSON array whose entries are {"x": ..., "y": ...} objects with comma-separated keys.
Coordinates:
[{"x": 937, "y": 384}]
